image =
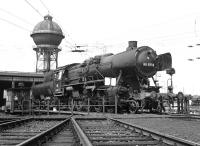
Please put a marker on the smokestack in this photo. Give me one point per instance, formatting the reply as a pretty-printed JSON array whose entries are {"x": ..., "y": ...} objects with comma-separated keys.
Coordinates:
[{"x": 131, "y": 45}]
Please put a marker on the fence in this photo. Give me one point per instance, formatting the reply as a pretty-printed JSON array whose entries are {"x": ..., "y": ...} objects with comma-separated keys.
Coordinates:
[
  {"x": 182, "y": 108},
  {"x": 28, "y": 106},
  {"x": 58, "y": 108}
]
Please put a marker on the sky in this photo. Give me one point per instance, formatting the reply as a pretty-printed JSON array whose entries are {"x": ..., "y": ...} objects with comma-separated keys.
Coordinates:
[{"x": 106, "y": 26}]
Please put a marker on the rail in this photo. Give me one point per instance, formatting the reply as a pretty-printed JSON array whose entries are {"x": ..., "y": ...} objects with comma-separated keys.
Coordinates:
[
  {"x": 45, "y": 135},
  {"x": 48, "y": 134},
  {"x": 99, "y": 134},
  {"x": 168, "y": 139},
  {"x": 13, "y": 123},
  {"x": 83, "y": 138}
]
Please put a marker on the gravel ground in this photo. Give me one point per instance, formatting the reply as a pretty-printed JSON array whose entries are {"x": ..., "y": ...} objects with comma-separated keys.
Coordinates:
[
  {"x": 5, "y": 116},
  {"x": 183, "y": 128},
  {"x": 34, "y": 126}
]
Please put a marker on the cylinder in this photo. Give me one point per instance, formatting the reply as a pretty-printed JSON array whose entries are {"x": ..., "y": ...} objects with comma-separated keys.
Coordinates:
[{"x": 45, "y": 89}]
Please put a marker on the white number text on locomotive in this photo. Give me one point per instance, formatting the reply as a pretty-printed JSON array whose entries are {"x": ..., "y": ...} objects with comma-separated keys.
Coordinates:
[{"x": 148, "y": 64}]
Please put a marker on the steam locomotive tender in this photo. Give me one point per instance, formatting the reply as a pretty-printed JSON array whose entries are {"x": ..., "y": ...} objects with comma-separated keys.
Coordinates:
[{"x": 128, "y": 72}]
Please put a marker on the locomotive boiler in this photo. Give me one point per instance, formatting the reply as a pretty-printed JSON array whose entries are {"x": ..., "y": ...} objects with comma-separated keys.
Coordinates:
[{"x": 123, "y": 76}]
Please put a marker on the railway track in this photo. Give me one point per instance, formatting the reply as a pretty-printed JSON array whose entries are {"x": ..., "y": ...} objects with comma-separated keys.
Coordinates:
[
  {"x": 5, "y": 120},
  {"x": 65, "y": 136},
  {"x": 106, "y": 131},
  {"x": 20, "y": 131},
  {"x": 84, "y": 131}
]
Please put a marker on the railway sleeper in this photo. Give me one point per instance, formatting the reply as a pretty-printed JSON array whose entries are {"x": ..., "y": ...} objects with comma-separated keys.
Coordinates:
[
  {"x": 127, "y": 143},
  {"x": 107, "y": 129},
  {"x": 64, "y": 137},
  {"x": 114, "y": 136},
  {"x": 77, "y": 140},
  {"x": 121, "y": 138},
  {"x": 12, "y": 138},
  {"x": 117, "y": 133},
  {"x": 11, "y": 142},
  {"x": 107, "y": 133},
  {"x": 15, "y": 133}
]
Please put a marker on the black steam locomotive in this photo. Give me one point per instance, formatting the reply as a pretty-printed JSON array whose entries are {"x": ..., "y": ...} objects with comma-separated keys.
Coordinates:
[{"x": 124, "y": 76}]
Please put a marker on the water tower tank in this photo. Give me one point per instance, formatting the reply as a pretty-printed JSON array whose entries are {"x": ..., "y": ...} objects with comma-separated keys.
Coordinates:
[
  {"x": 47, "y": 36},
  {"x": 47, "y": 32}
]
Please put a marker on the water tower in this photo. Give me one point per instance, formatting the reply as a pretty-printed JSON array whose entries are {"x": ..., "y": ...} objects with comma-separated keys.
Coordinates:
[{"x": 47, "y": 36}]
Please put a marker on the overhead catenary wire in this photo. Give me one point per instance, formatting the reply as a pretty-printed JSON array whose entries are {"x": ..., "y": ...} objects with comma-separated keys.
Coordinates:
[
  {"x": 13, "y": 15},
  {"x": 16, "y": 25},
  {"x": 68, "y": 40},
  {"x": 45, "y": 6},
  {"x": 36, "y": 10},
  {"x": 168, "y": 21},
  {"x": 12, "y": 23},
  {"x": 166, "y": 37},
  {"x": 154, "y": 38},
  {"x": 73, "y": 44}
]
